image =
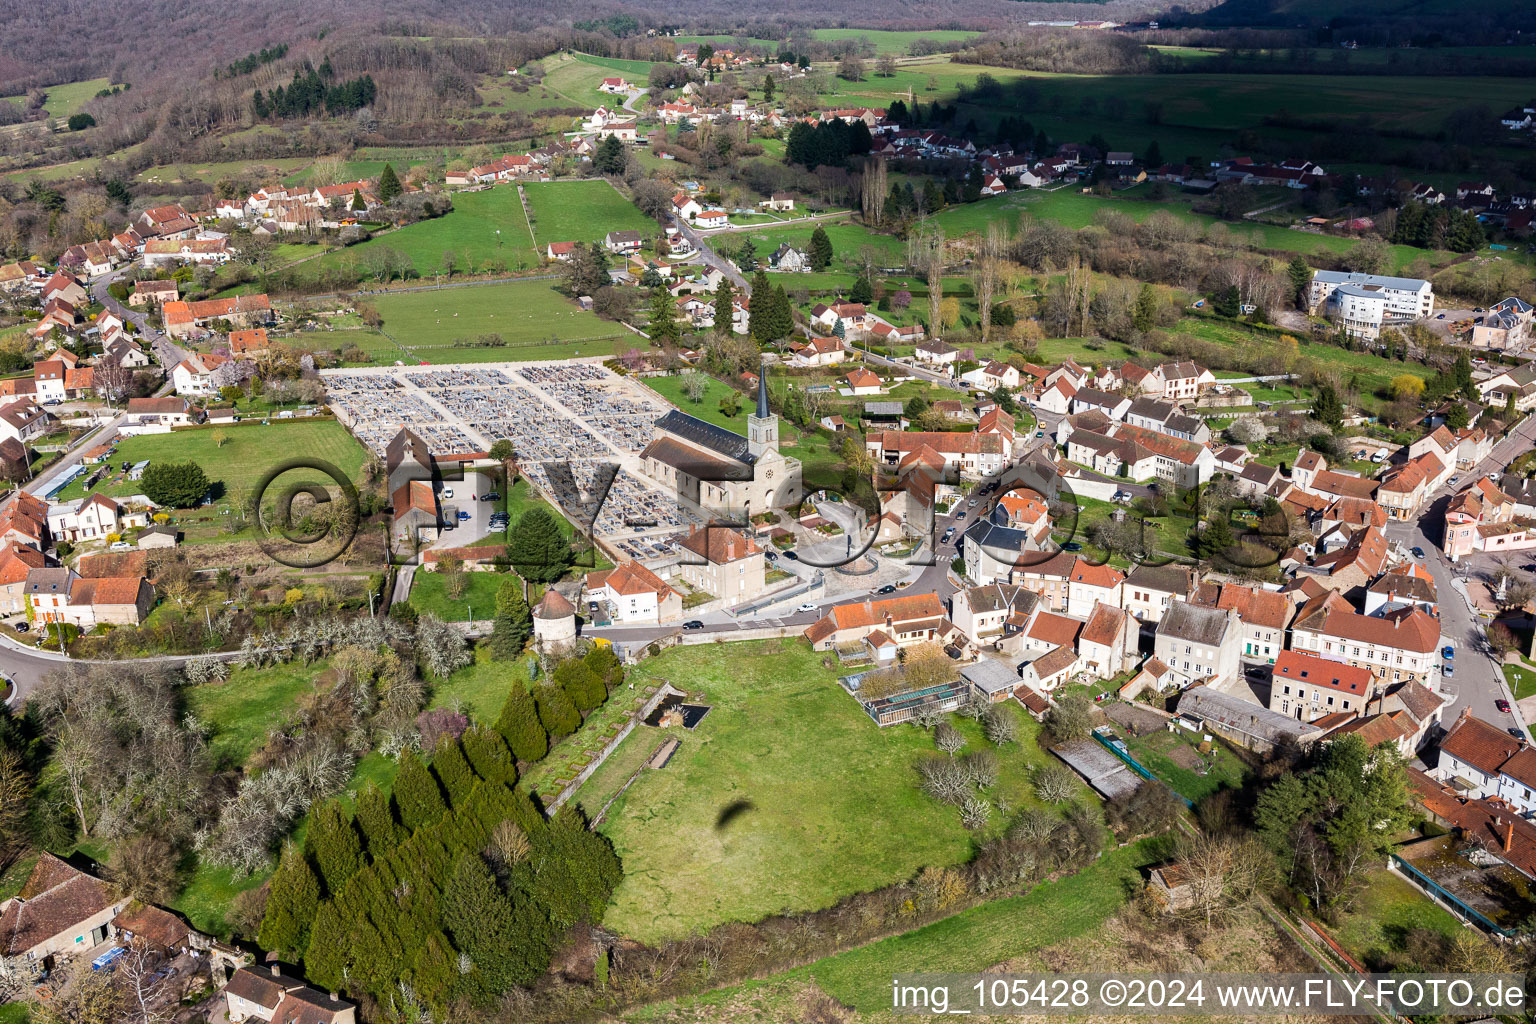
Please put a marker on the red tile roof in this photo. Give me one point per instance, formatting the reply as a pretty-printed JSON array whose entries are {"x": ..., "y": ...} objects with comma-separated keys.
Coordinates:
[{"x": 1332, "y": 675}]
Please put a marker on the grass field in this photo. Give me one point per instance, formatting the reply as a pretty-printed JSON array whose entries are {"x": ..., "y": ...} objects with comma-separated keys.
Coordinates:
[
  {"x": 1158, "y": 750},
  {"x": 971, "y": 941},
  {"x": 893, "y": 42},
  {"x": 848, "y": 242},
  {"x": 241, "y": 710},
  {"x": 536, "y": 321},
  {"x": 577, "y": 78},
  {"x": 429, "y": 594},
  {"x": 802, "y": 768},
  {"x": 249, "y": 450},
  {"x": 64, "y": 100},
  {"x": 1386, "y": 910},
  {"x": 1069, "y": 207},
  {"x": 1522, "y": 681},
  {"x": 469, "y": 232},
  {"x": 581, "y": 211}
]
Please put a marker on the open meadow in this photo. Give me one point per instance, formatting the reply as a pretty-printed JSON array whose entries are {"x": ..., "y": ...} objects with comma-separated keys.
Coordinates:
[
  {"x": 760, "y": 809},
  {"x": 581, "y": 211},
  {"x": 534, "y": 320},
  {"x": 485, "y": 231}
]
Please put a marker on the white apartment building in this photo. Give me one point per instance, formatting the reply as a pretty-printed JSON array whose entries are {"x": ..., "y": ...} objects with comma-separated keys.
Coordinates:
[{"x": 1365, "y": 303}]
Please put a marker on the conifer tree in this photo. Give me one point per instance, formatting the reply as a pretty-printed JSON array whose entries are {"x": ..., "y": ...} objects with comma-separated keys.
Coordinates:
[
  {"x": 434, "y": 970},
  {"x": 377, "y": 822},
  {"x": 661, "y": 325},
  {"x": 416, "y": 793},
  {"x": 606, "y": 666},
  {"x": 509, "y": 944},
  {"x": 389, "y": 184},
  {"x": 452, "y": 770},
  {"x": 358, "y": 205},
  {"x": 291, "y": 904},
  {"x": 585, "y": 689},
  {"x": 557, "y": 712},
  {"x": 538, "y": 551},
  {"x": 725, "y": 299},
  {"x": 821, "y": 249},
  {"x": 330, "y": 949},
  {"x": 783, "y": 314},
  {"x": 488, "y": 755},
  {"x": 579, "y": 869},
  {"x": 519, "y": 725},
  {"x": 334, "y": 845},
  {"x": 760, "y": 309},
  {"x": 514, "y": 622}
]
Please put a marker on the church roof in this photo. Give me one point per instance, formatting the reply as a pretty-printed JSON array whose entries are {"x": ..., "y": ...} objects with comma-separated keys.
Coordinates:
[{"x": 706, "y": 435}]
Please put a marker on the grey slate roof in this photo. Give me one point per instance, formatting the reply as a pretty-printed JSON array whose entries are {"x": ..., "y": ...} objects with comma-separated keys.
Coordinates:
[
  {"x": 1241, "y": 716},
  {"x": 1194, "y": 623},
  {"x": 706, "y": 435}
]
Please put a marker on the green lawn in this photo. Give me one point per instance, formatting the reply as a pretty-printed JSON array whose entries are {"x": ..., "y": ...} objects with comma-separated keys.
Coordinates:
[
  {"x": 15, "y": 1013},
  {"x": 243, "y": 709},
  {"x": 1387, "y": 909},
  {"x": 469, "y": 232},
  {"x": 1156, "y": 752},
  {"x": 429, "y": 594},
  {"x": 370, "y": 341},
  {"x": 481, "y": 689},
  {"x": 1070, "y": 207},
  {"x": 581, "y": 211},
  {"x": 805, "y": 769},
  {"x": 971, "y": 941},
  {"x": 893, "y": 42},
  {"x": 577, "y": 79},
  {"x": 249, "y": 451},
  {"x": 64, "y": 100},
  {"x": 848, "y": 242},
  {"x": 536, "y": 322},
  {"x": 1521, "y": 679}
]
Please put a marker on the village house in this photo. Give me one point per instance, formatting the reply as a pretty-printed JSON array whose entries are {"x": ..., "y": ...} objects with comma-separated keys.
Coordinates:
[
  {"x": 60, "y": 911},
  {"x": 1150, "y": 589},
  {"x": 985, "y": 613},
  {"x": 974, "y": 455},
  {"x": 634, "y": 595},
  {"x": 249, "y": 344},
  {"x": 1199, "y": 645},
  {"x": 779, "y": 201},
  {"x": 1107, "y": 644},
  {"x": 195, "y": 374},
  {"x": 1480, "y": 761},
  {"x": 905, "y": 620},
  {"x": 723, "y": 562},
  {"x": 170, "y": 221},
  {"x": 1480, "y": 517},
  {"x": 264, "y": 993},
  {"x": 90, "y": 518},
  {"x": 1398, "y": 646},
  {"x": 937, "y": 353},
  {"x": 23, "y": 421},
  {"x": 62, "y": 596},
  {"x": 169, "y": 411},
  {"x": 191, "y": 319},
  {"x": 16, "y": 561},
  {"x": 198, "y": 251},
  {"x": 818, "y": 351},
  {"x": 1264, "y": 616},
  {"x": 1307, "y": 687},
  {"x": 416, "y": 518}
]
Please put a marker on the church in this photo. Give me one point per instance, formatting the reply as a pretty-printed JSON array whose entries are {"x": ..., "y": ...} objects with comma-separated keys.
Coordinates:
[{"x": 728, "y": 475}]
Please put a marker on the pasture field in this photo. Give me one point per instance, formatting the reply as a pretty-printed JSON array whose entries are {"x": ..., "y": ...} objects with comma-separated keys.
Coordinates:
[
  {"x": 249, "y": 450},
  {"x": 897, "y": 43},
  {"x": 581, "y": 211},
  {"x": 468, "y": 231},
  {"x": 536, "y": 322},
  {"x": 577, "y": 79},
  {"x": 848, "y": 241},
  {"x": 752, "y": 814},
  {"x": 1071, "y": 208},
  {"x": 67, "y": 99}
]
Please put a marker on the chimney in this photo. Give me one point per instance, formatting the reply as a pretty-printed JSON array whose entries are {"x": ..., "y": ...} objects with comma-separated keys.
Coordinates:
[{"x": 1509, "y": 835}]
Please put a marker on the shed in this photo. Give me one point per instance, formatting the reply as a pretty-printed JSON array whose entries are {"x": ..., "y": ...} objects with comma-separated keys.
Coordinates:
[
  {"x": 1098, "y": 767},
  {"x": 991, "y": 679}
]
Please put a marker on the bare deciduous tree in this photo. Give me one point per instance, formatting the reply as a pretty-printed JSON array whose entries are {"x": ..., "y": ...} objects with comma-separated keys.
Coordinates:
[{"x": 948, "y": 739}]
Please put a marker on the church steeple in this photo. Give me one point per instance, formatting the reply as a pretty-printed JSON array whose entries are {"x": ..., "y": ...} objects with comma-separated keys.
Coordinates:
[{"x": 762, "y": 425}]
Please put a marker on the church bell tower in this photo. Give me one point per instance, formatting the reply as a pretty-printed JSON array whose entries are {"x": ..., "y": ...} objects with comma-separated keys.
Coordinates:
[{"x": 762, "y": 425}]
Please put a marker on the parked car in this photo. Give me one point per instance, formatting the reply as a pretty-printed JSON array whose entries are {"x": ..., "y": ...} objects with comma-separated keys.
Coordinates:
[
  {"x": 1448, "y": 652},
  {"x": 1447, "y": 669},
  {"x": 971, "y": 503},
  {"x": 464, "y": 517},
  {"x": 807, "y": 607},
  {"x": 1418, "y": 552},
  {"x": 447, "y": 492},
  {"x": 1453, "y": 480},
  {"x": 1039, "y": 433},
  {"x": 1516, "y": 733},
  {"x": 887, "y": 589},
  {"x": 491, "y": 496},
  {"x": 947, "y": 534},
  {"x": 1379, "y": 457},
  {"x": 960, "y": 514},
  {"x": 1502, "y": 705},
  {"x": 1440, "y": 316},
  {"x": 1362, "y": 454},
  {"x": 22, "y": 627},
  {"x": 772, "y": 556},
  {"x": 1071, "y": 545},
  {"x": 694, "y": 624},
  {"x": 1124, "y": 497},
  {"x": 791, "y": 556}
]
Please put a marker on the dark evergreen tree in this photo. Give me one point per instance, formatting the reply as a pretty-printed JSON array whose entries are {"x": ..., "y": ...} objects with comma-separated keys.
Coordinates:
[
  {"x": 538, "y": 550},
  {"x": 1326, "y": 407},
  {"x": 760, "y": 309},
  {"x": 1227, "y": 302},
  {"x": 329, "y": 955},
  {"x": 610, "y": 157},
  {"x": 488, "y": 755},
  {"x": 514, "y": 622},
  {"x": 509, "y": 944},
  {"x": 519, "y": 725},
  {"x": 556, "y": 712},
  {"x": 862, "y": 291},
  {"x": 606, "y": 666},
  {"x": 1300, "y": 274},
  {"x": 971, "y": 192},
  {"x": 417, "y": 795},
  {"x": 820, "y": 252},
  {"x": 585, "y": 689},
  {"x": 389, "y": 184},
  {"x": 376, "y": 822},
  {"x": 333, "y": 844},
  {"x": 177, "y": 484},
  {"x": 579, "y": 869},
  {"x": 434, "y": 970},
  {"x": 452, "y": 770},
  {"x": 725, "y": 308},
  {"x": 783, "y": 314},
  {"x": 1154, "y": 158},
  {"x": 661, "y": 324},
  {"x": 292, "y": 900}
]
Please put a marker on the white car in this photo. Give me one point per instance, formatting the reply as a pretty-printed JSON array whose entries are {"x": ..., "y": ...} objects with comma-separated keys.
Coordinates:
[
  {"x": 447, "y": 492},
  {"x": 806, "y": 608},
  {"x": 120, "y": 545}
]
